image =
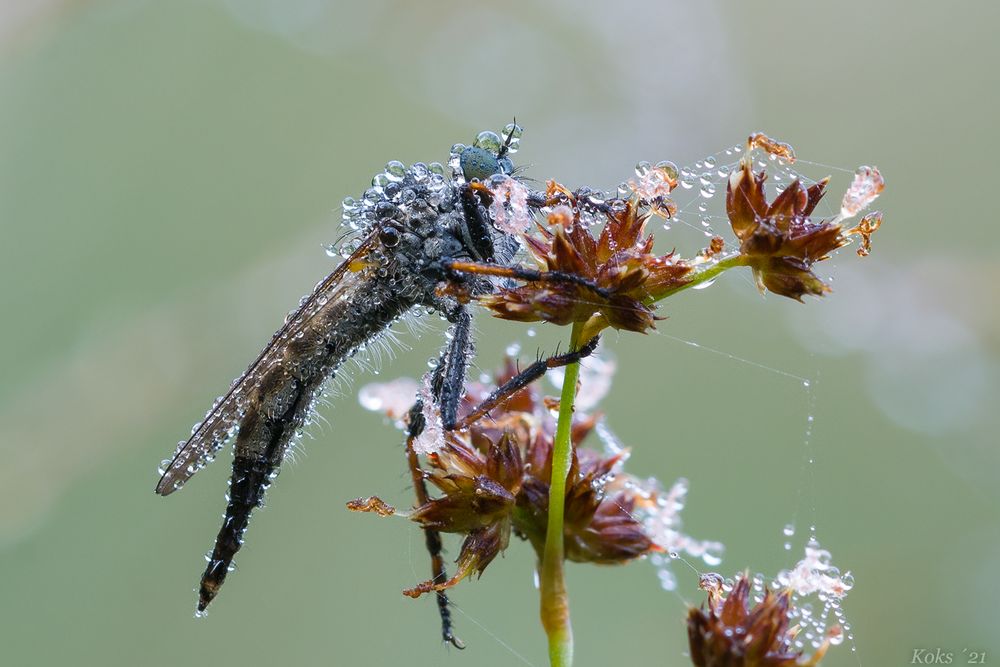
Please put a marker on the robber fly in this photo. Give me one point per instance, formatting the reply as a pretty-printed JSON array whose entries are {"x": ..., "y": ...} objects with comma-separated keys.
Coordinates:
[{"x": 425, "y": 239}]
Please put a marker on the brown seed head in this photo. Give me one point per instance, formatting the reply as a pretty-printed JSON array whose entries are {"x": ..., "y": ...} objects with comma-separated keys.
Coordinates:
[
  {"x": 728, "y": 632},
  {"x": 620, "y": 262}
]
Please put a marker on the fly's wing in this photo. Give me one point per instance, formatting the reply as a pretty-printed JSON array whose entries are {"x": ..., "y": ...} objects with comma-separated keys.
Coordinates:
[{"x": 222, "y": 420}]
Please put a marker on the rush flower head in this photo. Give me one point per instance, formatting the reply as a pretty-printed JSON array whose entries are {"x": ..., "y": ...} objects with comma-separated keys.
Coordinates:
[
  {"x": 493, "y": 480},
  {"x": 620, "y": 262},
  {"x": 745, "y": 624},
  {"x": 779, "y": 240},
  {"x": 728, "y": 632},
  {"x": 479, "y": 480}
]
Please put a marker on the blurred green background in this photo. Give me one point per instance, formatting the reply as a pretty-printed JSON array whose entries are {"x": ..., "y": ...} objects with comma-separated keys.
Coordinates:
[{"x": 170, "y": 170}]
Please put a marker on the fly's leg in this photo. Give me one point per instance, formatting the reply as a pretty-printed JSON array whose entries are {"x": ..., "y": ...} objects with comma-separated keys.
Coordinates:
[
  {"x": 526, "y": 274},
  {"x": 432, "y": 538},
  {"x": 447, "y": 388},
  {"x": 524, "y": 378},
  {"x": 449, "y": 384}
]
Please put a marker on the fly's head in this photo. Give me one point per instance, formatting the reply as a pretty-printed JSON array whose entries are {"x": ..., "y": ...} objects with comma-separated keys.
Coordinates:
[
  {"x": 422, "y": 216},
  {"x": 485, "y": 169},
  {"x": 489, "y": 155}
]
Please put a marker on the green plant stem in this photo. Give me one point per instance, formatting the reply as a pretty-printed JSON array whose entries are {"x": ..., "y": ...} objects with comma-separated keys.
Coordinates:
[
  {"x": 701, "y": 275},
  {"x": 555, "y": 601},
  {"x": 704, "y": 275}
]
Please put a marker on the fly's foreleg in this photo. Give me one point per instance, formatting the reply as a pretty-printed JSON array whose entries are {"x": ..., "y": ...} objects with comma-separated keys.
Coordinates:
[{"x": 526, "y": 274}]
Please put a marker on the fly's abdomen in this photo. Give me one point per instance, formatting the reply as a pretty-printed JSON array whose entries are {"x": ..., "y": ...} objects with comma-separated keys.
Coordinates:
[{"x": 277, "y": 409}]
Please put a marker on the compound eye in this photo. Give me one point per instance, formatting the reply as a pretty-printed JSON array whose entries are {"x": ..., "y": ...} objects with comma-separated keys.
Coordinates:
[
  {"x": 478, "y": 163},
  {"x": 389, "y": 236}
]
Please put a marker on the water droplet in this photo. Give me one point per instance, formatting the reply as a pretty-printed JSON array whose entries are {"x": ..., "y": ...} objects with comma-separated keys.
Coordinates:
[
  {"x": 788, "y": 530},
  {"x": 713, "y": 554},
  {"x": 488, "y": 140},
  {"x": 395, "y": 170},
  {"x": 668, "y": 168},
  {"x": 514, "y": 132}
]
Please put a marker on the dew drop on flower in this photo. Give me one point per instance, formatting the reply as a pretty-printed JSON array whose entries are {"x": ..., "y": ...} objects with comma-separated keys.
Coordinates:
[
  {"x": 668, "y": 168},
  {"x": 642, "y": 168}
]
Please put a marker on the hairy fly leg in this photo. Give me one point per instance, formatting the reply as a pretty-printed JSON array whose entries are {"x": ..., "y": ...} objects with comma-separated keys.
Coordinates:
[
  {"x": 447, "y": 388},
  {"x": 449, "y": 385},
  {"x": 432, "y": 538},
  {"x": 524, "y": 378},
  {"x": 526, "y": 274}
]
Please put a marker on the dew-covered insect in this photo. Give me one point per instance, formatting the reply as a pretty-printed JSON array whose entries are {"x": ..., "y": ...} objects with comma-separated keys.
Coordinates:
[{"x": 425, "y": 238}]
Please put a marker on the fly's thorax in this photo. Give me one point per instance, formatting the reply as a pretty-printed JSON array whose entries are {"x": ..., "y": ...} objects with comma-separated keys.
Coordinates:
[
  {"x": 428, "y": 227},
  {"x": 424, "y": 215}
]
